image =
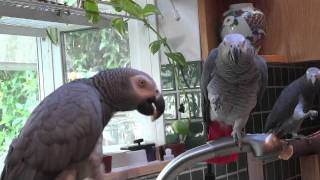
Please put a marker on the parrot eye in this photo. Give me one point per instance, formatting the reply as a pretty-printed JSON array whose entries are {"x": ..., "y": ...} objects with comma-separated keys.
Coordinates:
[{"x": 141, "y": 82}]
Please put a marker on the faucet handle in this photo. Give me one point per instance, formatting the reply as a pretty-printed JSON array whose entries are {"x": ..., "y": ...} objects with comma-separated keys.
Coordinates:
[{"x": 264, "y": 146}]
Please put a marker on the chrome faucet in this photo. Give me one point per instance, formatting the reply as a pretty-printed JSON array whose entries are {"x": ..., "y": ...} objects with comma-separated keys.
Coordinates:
[{"x": 263, "y": 146}]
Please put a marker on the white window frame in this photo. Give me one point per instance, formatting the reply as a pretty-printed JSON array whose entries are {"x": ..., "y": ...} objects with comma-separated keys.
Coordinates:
[
  {"x": 51, "y": 67},
  {"x": 47, "y": 61}
]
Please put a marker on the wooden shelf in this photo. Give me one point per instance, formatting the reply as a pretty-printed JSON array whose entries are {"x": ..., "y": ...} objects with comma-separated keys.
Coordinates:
[
  {"x": 292, "y": 28},
  {"x": 276, "y": 58}
]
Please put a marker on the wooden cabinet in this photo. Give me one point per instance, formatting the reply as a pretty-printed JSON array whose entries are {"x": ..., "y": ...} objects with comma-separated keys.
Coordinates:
[{"x": 293, "y": 28}]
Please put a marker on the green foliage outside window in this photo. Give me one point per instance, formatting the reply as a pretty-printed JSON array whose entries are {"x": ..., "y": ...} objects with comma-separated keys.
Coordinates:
[
  {"x": 18, "y": 97},
  {"x": 91, "y": 51}
]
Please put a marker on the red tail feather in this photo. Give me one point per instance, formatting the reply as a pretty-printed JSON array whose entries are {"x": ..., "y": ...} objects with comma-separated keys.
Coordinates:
[{"x": 216, "y": 130}]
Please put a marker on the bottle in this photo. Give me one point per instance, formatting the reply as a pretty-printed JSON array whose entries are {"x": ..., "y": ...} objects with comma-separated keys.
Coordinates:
[{"x": 168, "y": 155}]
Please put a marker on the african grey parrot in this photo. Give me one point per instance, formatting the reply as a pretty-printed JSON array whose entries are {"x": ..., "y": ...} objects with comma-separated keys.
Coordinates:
[
  {"x": 233, "y": 77},
  {"x": 293, "y": 105},
  {"x": 62, "y": 132}
]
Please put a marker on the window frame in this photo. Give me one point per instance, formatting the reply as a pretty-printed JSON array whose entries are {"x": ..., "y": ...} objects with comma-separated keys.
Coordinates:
[{"x": 51, "y": 59}]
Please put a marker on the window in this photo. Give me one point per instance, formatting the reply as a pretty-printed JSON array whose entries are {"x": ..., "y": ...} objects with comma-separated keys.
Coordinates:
[
  {"x": 19, "y": 87},
  {"x": 79, "y": 53}
]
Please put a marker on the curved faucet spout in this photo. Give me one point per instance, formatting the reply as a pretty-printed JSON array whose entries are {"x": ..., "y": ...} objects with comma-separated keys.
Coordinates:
[{"x": 262, "y": 145}]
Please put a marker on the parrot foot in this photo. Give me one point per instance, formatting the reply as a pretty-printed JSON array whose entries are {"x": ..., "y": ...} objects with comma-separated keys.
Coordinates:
[
  {"x": 312, "y": 114},
  {"x": 237, "y": 137}
]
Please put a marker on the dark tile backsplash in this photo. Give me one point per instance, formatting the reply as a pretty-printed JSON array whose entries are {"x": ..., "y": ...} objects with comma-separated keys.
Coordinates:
[{"x": 280, "y": 75}]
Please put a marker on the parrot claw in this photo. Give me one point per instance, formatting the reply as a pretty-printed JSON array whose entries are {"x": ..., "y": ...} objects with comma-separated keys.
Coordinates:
[
  {"x": 237, "y": 138},
  {"x": 217, "y": 103},
  {"x": 313, "y": 114}
]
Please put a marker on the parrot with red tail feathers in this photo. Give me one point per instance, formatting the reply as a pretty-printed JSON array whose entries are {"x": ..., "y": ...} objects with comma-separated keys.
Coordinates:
[{"x": 233, "y": 79}]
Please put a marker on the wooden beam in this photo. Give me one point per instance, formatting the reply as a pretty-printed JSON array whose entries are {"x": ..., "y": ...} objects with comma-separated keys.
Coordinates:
[
  {"x": 255, "y": 167},
  {"x": 310, "y": 167},
  {"x": 308, "y": 146},
  {"x": 301, "y": 147},
  {"x": 208, "y": 24}
]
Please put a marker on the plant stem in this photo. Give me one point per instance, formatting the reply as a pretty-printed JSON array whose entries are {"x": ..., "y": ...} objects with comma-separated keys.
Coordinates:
[{"x": 175, "y": 66}]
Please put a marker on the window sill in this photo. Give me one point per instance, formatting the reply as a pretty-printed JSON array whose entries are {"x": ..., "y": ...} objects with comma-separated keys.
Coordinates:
[{"x": 124, "y": 173}]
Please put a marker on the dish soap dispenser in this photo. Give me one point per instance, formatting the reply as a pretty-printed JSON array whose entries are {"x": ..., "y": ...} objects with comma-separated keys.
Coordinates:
[{"x": 168, "y": 155}]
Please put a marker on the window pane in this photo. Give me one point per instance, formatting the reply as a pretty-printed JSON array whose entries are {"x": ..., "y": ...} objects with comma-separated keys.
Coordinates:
[
  {"x": 90, "y": 51},
  {"x": 18, "y": 49},
  {"x": 171, "y": 107},
  {"x": 194, "y": 102},
  {"x": 18, "y": 97}
]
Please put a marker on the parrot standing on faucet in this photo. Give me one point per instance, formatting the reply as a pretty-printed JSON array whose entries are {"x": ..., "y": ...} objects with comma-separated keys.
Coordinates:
[
  {"x": 294, "y": 105},
  {"x": 233, "y": 78}
]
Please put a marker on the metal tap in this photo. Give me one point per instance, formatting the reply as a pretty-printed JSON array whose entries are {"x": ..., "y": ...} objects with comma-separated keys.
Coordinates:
[{"x": 263, "y": 146}]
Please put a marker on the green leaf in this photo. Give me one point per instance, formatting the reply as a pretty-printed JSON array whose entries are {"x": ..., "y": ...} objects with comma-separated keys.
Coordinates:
[
  {"x": 150, "y": 9},
  {"x": 53, "y": 34},
  {"x": 181, "y": 127},
  {"x": 177, "y": 57},
  {"x": 120, "y": 25},
  {"x": 92, "y": 10},
  {"x": 132, "y": 8},
  {"x": 155, "y": 46},
  {"x": 129, "y": 6},
  {"x": 117, "y": 5}
]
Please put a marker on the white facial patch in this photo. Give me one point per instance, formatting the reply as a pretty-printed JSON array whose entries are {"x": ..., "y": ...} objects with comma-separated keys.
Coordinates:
[
  {"x": 234, "y": 38},
  {"x": 312, "y": 74}
]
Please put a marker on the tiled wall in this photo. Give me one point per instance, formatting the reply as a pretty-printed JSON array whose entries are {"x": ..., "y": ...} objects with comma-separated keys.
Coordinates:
[{"x": 280, "y": 75}]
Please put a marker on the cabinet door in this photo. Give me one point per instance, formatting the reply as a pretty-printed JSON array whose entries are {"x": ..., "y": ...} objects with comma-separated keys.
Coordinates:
[{"x": 292, "y": 28}]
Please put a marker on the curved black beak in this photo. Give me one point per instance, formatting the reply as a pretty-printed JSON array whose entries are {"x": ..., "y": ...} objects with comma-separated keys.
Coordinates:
[{"x": 152, "y": 107}]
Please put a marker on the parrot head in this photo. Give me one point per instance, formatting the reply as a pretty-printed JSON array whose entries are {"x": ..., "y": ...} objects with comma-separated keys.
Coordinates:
[
  {"x": 237, "y": 49},
  {"x": 127, "y": 89},
  {"x": 151, "y": 101},
  {"x": 313, "y": 75}
]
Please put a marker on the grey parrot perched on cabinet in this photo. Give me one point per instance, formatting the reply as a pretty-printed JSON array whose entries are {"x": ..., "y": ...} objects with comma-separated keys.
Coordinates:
[
  {"x": 294, "y": 105},
  {"x": 233, "y": 78},
  {"x": 62, "y": 133}
]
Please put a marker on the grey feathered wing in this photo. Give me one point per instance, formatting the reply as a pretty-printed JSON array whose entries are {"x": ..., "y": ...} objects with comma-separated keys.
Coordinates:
[
  {"x": 207, "y": 74},
  {"x": 62, "y": 130},
  {"x": 263, "y": 69},
  {"x": 285, "y": 105}
]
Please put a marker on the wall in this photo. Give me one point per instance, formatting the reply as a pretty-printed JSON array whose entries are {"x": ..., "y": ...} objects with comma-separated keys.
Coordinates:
[{"x": 183, "y": 33}]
